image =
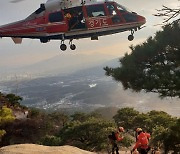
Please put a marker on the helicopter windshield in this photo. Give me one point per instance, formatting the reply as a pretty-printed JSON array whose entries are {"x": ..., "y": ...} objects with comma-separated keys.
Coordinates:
[{"x": 122, "y": 8}]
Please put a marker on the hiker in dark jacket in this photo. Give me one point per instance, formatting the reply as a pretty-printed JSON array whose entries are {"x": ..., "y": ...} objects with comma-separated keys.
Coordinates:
[{"x": 114, "y": 138}]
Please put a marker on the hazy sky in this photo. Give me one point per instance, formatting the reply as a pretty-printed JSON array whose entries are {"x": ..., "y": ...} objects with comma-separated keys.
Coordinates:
[{"x": 32, "y": 51}]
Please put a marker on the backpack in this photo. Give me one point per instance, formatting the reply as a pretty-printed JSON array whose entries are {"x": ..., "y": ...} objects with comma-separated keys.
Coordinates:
[{"x": 112, "y": 136}]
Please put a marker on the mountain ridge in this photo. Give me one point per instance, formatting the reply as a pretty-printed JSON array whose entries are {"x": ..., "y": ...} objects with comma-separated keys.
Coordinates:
[{"x": 63, "y": 63}]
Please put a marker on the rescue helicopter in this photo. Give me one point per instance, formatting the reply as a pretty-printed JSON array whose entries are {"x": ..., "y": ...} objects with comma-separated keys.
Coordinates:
[{"x": 74, "y": 19}]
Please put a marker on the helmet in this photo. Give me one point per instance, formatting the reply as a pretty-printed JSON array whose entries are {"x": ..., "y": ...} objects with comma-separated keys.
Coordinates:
[
  {"x": 121, "y": 129},
  {"x": 68, "y": 15},
  {"x": 138, "y": 130}
]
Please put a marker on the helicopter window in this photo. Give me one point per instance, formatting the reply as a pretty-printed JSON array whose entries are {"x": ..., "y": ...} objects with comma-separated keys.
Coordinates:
[
  {"x": 116, "y": 19},
  {"x": 130, "y": 17},
  {"x": 56, "y": 17},
  {"x": 111, "y": 9},
  {"x": 95, "y": 11},
  {"x": 123, "y": 9}
]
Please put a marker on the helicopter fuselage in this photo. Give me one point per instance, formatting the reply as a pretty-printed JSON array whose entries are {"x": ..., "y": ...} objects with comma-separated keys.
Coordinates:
[{"x": 91, "y": 20}]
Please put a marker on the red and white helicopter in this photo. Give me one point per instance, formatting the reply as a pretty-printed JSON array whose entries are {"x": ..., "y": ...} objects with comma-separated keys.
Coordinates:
[{"x": 74, "y": 19}]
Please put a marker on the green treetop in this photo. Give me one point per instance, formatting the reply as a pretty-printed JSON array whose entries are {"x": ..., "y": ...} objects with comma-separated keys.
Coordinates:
[{"x": 153, "y": 66}]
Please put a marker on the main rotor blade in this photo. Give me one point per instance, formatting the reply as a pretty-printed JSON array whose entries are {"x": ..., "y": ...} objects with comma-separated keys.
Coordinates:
[{"x": 16, "y": 1}]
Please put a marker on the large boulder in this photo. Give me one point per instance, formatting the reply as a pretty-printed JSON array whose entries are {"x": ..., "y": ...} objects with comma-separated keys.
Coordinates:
[{"x": 40, "y": 149}]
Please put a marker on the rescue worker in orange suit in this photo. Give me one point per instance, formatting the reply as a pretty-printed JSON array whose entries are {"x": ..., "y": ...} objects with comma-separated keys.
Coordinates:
[
  {"x": 142, "y": 141},
  {"x": 68, "y": 16},
  {"x": 114, "y": 138}
]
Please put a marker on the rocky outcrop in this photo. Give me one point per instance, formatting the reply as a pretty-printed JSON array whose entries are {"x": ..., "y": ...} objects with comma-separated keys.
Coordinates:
[{"x": 40, "y": 149}]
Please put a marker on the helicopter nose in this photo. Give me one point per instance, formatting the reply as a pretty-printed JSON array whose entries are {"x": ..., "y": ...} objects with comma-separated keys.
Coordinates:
[{"x": 141, "y": 19}]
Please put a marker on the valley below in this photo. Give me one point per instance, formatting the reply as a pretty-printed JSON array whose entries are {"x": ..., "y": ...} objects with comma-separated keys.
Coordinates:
[{"x": 84, "y": 90}]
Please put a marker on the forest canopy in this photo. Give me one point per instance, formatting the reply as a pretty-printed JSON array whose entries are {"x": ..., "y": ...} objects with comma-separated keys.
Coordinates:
[{"x": 88, "y": 131}]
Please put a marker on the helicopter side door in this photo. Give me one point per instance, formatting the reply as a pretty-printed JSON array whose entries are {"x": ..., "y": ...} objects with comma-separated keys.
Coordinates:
[
  {"x": 96, "y": 17},
  {"x": 75, "y": 18},
  {"x": 56, "y": 22}
]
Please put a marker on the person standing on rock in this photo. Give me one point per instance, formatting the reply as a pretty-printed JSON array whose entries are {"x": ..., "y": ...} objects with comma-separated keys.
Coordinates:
[{"x": 114, "y": 138}]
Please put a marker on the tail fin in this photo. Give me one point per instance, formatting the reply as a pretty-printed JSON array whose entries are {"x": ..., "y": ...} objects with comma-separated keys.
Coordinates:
[{"x": 17, "y": 40}]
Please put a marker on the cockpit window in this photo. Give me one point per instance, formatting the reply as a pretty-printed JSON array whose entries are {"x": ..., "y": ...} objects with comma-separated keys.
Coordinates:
[
  {"x": 95, "y": 11},
  {"x": 111, "y": 9},
  {"x": 130, "y": 17},
  {"x": 123, "y": 9}
]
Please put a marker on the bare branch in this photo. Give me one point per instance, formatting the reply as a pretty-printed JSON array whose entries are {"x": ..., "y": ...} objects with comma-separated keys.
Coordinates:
[{"x": 169, "y": 14}]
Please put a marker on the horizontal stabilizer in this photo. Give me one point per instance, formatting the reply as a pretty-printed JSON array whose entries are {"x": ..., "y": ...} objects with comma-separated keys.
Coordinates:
[{"x": 17, "y": 40}]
